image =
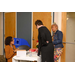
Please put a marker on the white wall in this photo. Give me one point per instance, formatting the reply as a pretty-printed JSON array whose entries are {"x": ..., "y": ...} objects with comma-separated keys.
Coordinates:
[
  {"x": 1, "y": 33},
  {"x": 57, "y": 19}
]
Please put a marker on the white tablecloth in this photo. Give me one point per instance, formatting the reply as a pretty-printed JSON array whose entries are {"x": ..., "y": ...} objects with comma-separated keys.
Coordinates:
[{"x": 28, "y": 57}]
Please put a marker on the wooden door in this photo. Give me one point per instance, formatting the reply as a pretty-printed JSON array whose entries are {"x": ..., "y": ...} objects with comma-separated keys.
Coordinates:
[
  {"x": 63, "y": 29},
  {"x": 45, "y": 17},
  {"x": 10, "y": 24}
]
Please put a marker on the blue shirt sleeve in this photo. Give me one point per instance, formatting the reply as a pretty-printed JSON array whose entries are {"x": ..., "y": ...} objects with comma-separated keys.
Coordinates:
[{"x": 59, "y": 38}]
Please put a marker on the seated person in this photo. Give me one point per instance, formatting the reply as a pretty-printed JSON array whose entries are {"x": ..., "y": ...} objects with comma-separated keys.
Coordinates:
[{"x": 10, "y": 49}]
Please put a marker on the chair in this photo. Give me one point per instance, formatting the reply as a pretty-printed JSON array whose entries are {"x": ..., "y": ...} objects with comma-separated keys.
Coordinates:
[{"x": 24, "y": 47}]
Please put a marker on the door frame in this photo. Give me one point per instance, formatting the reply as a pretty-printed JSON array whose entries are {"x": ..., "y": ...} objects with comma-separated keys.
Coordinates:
[
  {"x": 4, "y": 28},
  {"x": 1, "y": 17},
  {"x": 52, "y": 16},
  {"x": 32, "y": 31}
]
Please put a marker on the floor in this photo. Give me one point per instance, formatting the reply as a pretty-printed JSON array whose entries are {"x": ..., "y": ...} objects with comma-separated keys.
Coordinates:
[{"x": 2, "y": 58}]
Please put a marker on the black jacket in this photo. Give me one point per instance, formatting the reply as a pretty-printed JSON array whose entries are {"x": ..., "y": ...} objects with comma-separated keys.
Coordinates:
[
  {"x": 46, "y": 49},
  {"x": 58, "y": 36}
]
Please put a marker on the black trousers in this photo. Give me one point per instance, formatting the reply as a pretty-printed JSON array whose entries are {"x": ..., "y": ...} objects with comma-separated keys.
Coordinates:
[{"x": 47, "y": 53}]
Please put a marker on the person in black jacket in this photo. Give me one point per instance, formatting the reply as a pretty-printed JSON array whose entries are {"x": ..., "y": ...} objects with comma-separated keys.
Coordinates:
[{"x": 45, "y": 47}]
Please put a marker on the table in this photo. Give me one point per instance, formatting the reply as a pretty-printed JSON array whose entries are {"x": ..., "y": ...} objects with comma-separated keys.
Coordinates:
[{"x": 34, "y": 57}]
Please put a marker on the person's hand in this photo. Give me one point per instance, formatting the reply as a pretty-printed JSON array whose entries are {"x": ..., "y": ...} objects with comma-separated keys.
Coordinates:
[
  {"x": 37, "y": 50},
  {"x": 47, "y": 41},
  {"x": 16, "y": 50}
]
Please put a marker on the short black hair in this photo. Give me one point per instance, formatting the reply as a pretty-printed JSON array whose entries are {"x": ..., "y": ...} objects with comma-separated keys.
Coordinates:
[
  {"x": 8, "y": 40},
  {"x": 38, "y": 22}
]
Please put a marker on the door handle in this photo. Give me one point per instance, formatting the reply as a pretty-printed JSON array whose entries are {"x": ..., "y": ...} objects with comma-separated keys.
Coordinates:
[{"x": 33, "y": 39}]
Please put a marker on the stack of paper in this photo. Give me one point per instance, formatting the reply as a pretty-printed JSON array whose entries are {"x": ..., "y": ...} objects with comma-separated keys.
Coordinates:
[{"x": 21, "y": 53}]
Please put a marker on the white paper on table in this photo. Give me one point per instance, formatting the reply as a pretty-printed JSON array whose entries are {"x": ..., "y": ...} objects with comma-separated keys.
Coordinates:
[
  {"x": 21, "y": 53},
  {"x": 34, "y": 54},
  {"x": 39, "y": 58}
]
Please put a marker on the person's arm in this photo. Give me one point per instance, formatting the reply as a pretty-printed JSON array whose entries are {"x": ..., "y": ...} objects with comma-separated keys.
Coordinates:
[
  {"x": 16, "y": 49},
  {"x": 42, "y": 42},
  {"x": 8, "y": 53},
  {"x": 59, "y": 38}
]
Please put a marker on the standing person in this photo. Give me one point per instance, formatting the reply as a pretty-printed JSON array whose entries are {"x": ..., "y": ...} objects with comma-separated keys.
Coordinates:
[
  {"x": 10, "y": 49},
  {"x": 45, "y": 43},
  {"x": 57, "y": 41}
]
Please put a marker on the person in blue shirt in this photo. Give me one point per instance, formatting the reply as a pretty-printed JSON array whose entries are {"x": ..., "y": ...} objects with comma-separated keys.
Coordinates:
[{"x": 57, "y": 41}]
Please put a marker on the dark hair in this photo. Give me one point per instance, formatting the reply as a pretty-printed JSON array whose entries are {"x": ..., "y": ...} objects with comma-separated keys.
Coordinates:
[
  {"x": 38, "y": 22},
  {"x": 8, "y": 40}
]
